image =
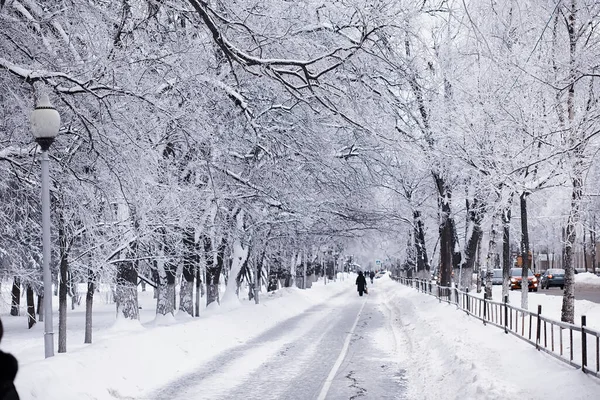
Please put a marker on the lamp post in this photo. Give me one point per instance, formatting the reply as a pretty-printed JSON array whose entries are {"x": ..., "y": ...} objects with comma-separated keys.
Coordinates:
[{"x": 45, "y": 123}]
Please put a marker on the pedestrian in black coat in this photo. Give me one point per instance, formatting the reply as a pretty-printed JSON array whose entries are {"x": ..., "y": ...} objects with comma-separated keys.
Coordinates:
[
  {"x": 361, "y": 283},
  {"x": 8, "y": 372}
]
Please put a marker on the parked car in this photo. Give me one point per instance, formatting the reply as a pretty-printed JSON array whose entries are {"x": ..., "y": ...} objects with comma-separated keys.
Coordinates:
[
  {"x": 497, "y": 277},
  {"x": 515, "y": 277},
  {"x": 553, "y": 277}
]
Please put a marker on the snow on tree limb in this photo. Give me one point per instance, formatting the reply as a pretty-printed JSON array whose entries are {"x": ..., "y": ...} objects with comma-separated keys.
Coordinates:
[{"x": 301, "y": 71}]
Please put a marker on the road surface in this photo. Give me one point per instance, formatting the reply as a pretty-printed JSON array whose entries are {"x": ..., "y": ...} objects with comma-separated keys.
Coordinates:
[
  {"x": 340, "y": 350},
  {"x": 581, "y": 293}
]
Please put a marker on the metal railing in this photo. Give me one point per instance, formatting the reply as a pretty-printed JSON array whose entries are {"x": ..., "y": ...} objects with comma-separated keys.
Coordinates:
[{"x": 576, "y": 345}]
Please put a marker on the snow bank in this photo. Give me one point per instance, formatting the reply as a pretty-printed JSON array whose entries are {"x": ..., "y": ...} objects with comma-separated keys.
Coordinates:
[
  {"x": 130, "y": 360},
  {"x": 587, "y": 279}
]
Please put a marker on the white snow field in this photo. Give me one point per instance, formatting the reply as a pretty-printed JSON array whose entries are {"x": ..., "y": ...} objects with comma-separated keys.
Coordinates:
[{"x": 395, "y": 343}]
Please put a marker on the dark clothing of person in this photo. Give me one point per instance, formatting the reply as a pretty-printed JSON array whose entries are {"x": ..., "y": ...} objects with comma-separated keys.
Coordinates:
[
  {"x": 361, "y": 283},
  {"x": 8, "y": 371},
  {"x": 372, "y": 275}
]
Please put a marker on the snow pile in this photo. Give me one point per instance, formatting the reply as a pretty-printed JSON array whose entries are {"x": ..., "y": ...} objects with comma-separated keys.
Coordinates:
[{"x": 587, "y": 279}]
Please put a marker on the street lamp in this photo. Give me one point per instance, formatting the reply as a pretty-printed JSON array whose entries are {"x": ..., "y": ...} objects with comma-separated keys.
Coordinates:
[{"x": 45, "y": 123}]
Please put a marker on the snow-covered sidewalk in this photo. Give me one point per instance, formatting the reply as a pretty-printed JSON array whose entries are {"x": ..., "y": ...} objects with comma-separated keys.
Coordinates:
[
  {"x": 454, "y": 356},
  {"x": 129, "y": 359}
]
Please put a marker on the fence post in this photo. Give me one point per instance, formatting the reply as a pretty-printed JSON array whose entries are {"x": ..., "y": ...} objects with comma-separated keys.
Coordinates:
[
  {"x": 467, "y": 299},
  {"x": 484, "y": 307},
  {"x": 439, "y": 293},
  {"x": 456, "y": 301},
  {"x": 506, "y": 314},
  {"x": 539, "y": 327},
  {"x": 583, "y": 344}
]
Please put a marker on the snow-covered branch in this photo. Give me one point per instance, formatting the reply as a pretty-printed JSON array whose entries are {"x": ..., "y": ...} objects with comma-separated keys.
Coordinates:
[{"x": 246, "y": 59}]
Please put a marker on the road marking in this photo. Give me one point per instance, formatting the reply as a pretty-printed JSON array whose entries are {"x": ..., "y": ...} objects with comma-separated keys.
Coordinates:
[{"x": 340, "y": 358}]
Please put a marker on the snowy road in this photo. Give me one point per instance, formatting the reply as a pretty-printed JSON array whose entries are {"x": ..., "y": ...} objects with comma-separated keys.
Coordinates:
[
  {"x": 581, "y": 293},
  {"x": 294, "y": 359}
]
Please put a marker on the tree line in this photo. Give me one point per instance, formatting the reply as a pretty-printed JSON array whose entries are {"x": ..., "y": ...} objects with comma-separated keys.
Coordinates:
[{"x": 229, "y": 139}]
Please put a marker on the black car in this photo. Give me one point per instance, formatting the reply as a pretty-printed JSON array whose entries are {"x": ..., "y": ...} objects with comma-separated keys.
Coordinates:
[{"x": 553, "y": 277}]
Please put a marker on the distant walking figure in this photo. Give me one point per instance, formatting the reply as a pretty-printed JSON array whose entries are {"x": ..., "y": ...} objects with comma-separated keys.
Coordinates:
[
  {"x": 361, "y": 283},
  {"x": 372, "y": 275},
  {"x": 8, "y": 372}
]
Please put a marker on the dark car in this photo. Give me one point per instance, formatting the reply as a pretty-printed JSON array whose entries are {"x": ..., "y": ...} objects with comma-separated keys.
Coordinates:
[
  {"x": 515, "y": 277},
  {"x": 497, "y": 278},
  {"x": 554, "y": 277}
]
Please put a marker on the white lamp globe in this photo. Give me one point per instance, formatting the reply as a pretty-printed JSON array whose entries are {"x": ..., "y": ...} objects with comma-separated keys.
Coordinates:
[{"x": 45, "y": 121}]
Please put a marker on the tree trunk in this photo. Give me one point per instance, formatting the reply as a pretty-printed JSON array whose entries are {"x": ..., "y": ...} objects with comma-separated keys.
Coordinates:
[
  {"x": 524, "y": 252},
  {"x": 257, "y": 272},
  {"x": 422, "y": 260},
  {"x": 62, "y": 287},
  {"x": 593, "y": 244},
  {"x": 30, "y": 307},
  {"x": 156, "y": 280},
  {"x": 186, "y": 292},
  {"x": 126, "y": 288},
  {"x": 62, "y": 307},
  {"x": 585, "y": 258},
  {"x": 89, "y": 302},
  {"x": 240, "y": 254},
  {"x": 186, "y": 295},
  {"x": 475, "y": 215},
  {"x": 213, "y": 272},
  {"x": 40, "y": 308},
  {"x": 568, "y": 305},
  {"x": 198, "y": 281},
  {"x": 492, "y": 257},
  {"x": 478, "y": 263},
  {"x": 447, "y": 233},
  {"x": 506, "y": 214},
  {"x": 166, "y": 289},
  {"x": 305, "y": 259},
  {"x": 15, "y": 308}
]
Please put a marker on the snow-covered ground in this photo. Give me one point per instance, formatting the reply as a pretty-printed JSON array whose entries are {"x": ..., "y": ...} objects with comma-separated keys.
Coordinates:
[
  {"x": 452, "y": 355},
  {"x": 445, "y": 353},
  {"x": 587, "y": 279}
]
